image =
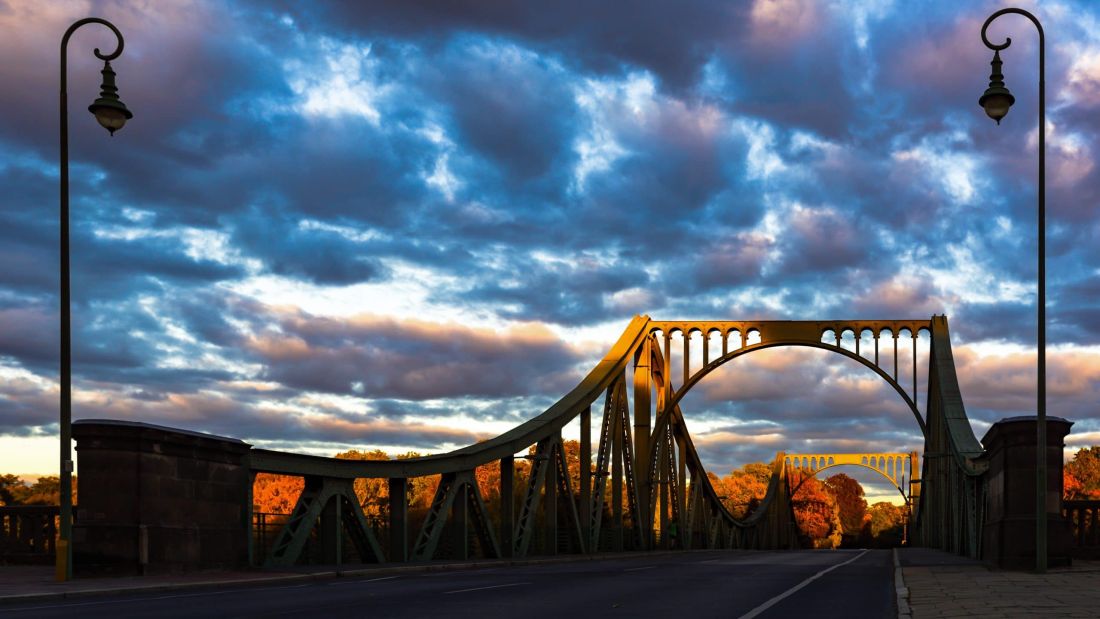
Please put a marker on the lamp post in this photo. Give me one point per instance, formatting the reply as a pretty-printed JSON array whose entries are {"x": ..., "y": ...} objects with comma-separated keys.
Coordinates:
[
  {"x": 996, "y": 100},
  {"x": 112, "y": 115}
]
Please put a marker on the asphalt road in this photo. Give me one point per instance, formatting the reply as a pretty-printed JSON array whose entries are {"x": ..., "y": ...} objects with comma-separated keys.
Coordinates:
[{"x": 818, "y": 584}]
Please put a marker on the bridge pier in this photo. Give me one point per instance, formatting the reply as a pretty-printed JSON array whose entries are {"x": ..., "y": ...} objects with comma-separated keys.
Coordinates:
[
  {"x": 1008, "y": 530},
  {"x": 158, "y": 500}
]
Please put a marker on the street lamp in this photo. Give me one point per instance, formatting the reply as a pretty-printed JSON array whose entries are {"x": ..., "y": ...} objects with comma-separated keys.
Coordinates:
[
  {"x": 996, "y": 100},
  {"x": 112, "y": 115}
]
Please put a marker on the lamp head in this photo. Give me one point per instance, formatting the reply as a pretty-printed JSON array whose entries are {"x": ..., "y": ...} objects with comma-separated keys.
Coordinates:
[
  {"x": 109, "y": 110},
  {"x": 996, "y": 99}
]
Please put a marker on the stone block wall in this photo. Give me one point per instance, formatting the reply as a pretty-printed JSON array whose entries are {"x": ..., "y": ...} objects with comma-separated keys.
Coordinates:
[{"x": 156, "y": 500}]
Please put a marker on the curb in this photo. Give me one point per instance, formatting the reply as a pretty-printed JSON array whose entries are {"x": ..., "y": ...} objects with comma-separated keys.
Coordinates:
[
  {"x": 902, "y": 592},
  {"x": 9, "y": 600}
]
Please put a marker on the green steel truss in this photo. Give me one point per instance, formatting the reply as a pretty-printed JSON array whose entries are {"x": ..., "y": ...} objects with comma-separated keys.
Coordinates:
[{"x": 647, "y": 488}]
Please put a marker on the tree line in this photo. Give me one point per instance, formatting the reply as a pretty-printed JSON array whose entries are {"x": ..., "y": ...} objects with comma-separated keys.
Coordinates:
[{"x": 45, "y": 491}]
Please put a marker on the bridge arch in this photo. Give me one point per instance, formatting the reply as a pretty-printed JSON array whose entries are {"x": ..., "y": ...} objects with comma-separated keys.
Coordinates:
[
  {"x": 812, "y": 472},
  {"x": 751, "y": 348}
]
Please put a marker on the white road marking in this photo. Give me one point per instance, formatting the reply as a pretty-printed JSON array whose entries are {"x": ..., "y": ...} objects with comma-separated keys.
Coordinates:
[
  {"x": 779, "y": 598},
  {"x": 635, "y": 569},
  {"x": 359, "y": 582},
  {"x": 514, "y": 584}
]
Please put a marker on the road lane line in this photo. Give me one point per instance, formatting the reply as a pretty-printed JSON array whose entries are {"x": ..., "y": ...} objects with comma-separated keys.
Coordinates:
[
  {"x": 779, "y": 598},
  {"x": 635, "y": 569},
  {"x": 359, "y": 582},
  {"x": 514, "y": 584}
]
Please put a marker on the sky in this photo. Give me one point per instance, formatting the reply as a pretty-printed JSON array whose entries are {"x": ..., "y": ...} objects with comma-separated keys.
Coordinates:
[{"x": 413, "y": 225}]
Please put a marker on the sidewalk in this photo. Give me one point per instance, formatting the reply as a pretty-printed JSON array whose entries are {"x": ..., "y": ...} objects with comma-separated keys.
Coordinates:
[{"x": 945, "y": 585}]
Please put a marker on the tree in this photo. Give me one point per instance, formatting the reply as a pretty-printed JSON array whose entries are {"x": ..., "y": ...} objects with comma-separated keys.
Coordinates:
[
  {"x": 11, "y": 489},
  {"x": 1081, "y": 475},
  {"x": 1072, "y": 488},
  {"x": 849, "y": 498},
  {"x": 885, "y": 524},
  {"x": 743, "y": 489},
  {"x": 276, "y": 494},
  {"x": 816, "y": 512},
  {"x": 45, "y": 491},
  {"x": 373, "y": 492}
]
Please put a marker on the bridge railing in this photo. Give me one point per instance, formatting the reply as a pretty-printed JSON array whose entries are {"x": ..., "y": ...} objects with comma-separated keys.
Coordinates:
[
  {"x": 1084, "y": 520},
  {"x": 28, "y": 533}
]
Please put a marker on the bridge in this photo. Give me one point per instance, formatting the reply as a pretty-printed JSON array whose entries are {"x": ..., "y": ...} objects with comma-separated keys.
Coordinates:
[{"x": 155, "y": 498}]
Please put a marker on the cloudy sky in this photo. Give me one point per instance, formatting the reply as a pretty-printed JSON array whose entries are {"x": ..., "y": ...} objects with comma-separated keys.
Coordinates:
[{"x": 412, "y": 225}]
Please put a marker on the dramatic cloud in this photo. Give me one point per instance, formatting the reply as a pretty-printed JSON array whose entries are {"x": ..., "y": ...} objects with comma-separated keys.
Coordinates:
[{"x": 414, "y": 225}]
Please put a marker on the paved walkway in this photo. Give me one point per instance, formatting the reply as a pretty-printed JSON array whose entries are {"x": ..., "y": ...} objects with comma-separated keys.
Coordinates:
[{"x": 945, "y": 585}]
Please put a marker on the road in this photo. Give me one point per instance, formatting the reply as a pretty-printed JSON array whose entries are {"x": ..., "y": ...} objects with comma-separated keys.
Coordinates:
[{"x": 818, "y": 584}]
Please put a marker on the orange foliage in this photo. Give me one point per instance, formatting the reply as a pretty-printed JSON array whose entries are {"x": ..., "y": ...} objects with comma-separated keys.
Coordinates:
[
  {"x": 276, "y": 494},
  {"x": 816, "y": 512},
  {"x": 1081, "y": 476}
]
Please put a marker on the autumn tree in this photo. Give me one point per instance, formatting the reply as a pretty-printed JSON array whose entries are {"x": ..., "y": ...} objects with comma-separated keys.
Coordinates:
[
  {"x": 276, "y": 494},
  {"x": 849, "y": 498},
  {"x": 1082, "y": 474},
  {"x": 373, "y": 492},
  {"x": 743, "y": 489},
  {"x": 816, "y": 512},
  {"x": 885, "y": 524}
]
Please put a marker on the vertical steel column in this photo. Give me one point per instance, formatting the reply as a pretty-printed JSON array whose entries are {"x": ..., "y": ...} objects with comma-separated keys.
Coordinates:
[
  {"x": 687, "y": 358},
  {"x": 643, "y": 389},
  {"x": 682, "y": 488},
  {"x": 550, "y": 516},
  {"x": 399, "y": 519},
  {"x": 895, "y": 357},
  {"x": 617, "y": 485},
  {"x": 915, "y": 367},
  {"x": 507, "y": 505},
  {"x": 663, "y": 479},
  {"x": 876, "y": 349},
  {"x": 330, "y": 530},
  {"x": 586, "y": 474},
  {"x": 459, "y": 521}
]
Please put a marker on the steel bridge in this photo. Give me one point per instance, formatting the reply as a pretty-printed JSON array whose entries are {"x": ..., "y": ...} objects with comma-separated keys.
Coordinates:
[{"x": 642, "y": 472}]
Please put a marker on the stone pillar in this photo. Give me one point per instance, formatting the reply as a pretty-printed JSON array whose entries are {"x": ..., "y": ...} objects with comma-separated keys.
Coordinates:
[
  {"x": 156, "y": 500},
  {"x": 1008, "y": 531}
]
